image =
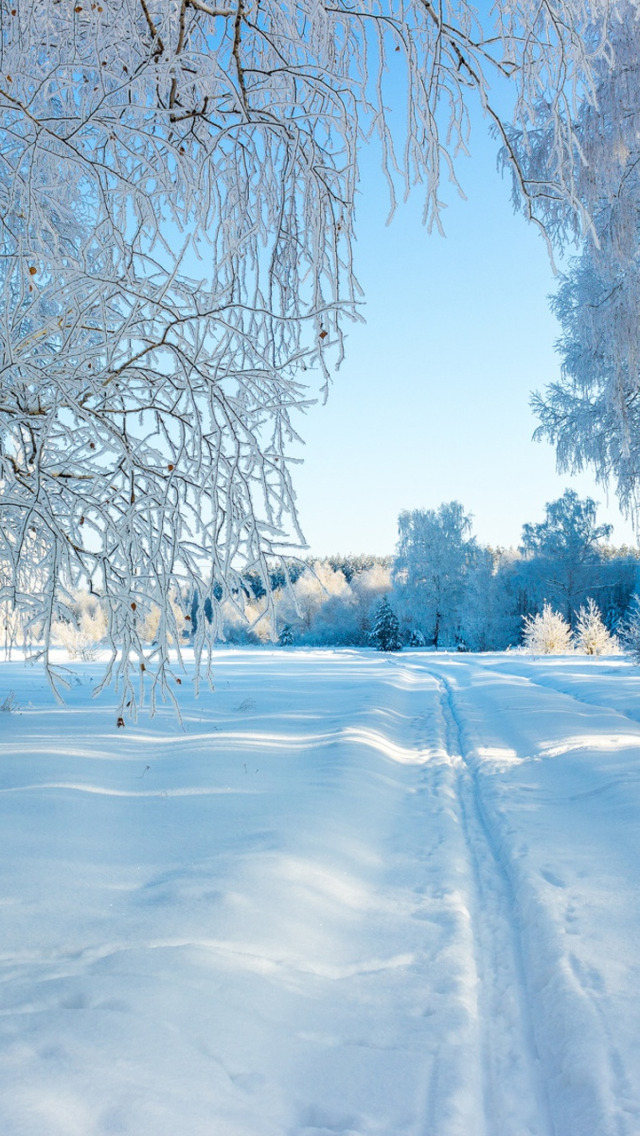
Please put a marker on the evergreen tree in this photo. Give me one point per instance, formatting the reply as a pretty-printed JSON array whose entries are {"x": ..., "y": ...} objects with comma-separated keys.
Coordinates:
[{"x": 385, "y": 633}]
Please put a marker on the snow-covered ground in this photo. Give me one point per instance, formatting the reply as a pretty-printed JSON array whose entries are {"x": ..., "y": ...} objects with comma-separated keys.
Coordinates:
[{"x": 351, "y": 894}]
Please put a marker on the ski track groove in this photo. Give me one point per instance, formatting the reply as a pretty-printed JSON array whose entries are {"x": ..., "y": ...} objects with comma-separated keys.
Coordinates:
[{"x": 509, "y": 1056}]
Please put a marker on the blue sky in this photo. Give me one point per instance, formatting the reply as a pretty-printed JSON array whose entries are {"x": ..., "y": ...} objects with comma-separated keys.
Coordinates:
[{"x": 432, "y": 403}]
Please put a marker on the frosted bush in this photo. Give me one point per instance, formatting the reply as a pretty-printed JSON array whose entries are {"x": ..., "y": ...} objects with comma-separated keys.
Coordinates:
[
  {"x": 323, "y": 607},
  {"x": 547, "y": 633},
  {"x": 591, "y": 635},
  {"x": 156, "y": 623},
  {"x": 84, "y": 630}
]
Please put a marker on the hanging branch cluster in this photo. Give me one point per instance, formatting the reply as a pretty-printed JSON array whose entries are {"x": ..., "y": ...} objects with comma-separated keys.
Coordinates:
[{"x": 177, "y": 190}]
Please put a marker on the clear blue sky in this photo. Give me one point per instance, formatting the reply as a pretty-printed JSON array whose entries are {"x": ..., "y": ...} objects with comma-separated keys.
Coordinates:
[{"x": 432, "y": 403}]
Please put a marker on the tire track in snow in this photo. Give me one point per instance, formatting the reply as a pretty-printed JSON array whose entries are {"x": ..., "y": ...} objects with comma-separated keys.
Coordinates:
[{"x": 515, "y": 1098}]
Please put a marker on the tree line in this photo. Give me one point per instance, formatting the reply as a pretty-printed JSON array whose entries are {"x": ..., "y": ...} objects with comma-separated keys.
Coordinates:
[
  {"x": 442, "y": 589},
  {"x": 445, "y": 590}
]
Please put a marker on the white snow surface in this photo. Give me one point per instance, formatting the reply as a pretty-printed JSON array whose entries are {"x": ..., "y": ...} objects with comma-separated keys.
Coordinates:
[{"x": 352, "y": 893}]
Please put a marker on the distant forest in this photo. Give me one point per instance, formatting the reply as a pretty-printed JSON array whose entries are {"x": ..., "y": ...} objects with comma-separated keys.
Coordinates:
[{"x": 442, "y": 589}]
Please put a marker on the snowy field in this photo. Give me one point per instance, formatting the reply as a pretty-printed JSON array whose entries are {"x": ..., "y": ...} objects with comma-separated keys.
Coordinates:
[{"x": 352, "y": 894}]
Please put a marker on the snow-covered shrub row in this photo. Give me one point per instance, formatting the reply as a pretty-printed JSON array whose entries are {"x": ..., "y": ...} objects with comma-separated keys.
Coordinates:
[
  {"x": 321, "y": 607},
  {"x": 548, "y": 633}
]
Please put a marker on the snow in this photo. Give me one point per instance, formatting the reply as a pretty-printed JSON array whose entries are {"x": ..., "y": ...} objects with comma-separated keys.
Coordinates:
[{"x": 352, "y": 893}]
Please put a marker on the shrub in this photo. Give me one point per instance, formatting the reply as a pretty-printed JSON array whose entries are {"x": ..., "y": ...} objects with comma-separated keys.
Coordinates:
[
  {"x": 83, "y": 631},
  {"x": 547, "y": 633},
  {"x": 591, "y": 635}
]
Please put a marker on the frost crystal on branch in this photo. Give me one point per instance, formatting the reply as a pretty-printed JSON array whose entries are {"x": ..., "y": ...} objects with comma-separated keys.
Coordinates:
[{"x": 177, "y": 187}]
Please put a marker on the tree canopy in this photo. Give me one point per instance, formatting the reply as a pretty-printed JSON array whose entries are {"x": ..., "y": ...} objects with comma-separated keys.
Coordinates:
[
  {"x": 568, "y": 548},
  {"x": 435, "y": 552},
  {"x": 591, "y": 412}
]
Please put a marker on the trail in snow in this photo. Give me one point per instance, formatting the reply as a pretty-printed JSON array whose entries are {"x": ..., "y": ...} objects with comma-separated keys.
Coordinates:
[
  {"x": 354, "y": 896},
  {"x": 515, "y": 1099},
  {"x": 558, "y": 788}
]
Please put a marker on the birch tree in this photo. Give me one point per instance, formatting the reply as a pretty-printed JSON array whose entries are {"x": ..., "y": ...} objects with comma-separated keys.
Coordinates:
[
  {"x": 177, "y": 193},
  {"x": 591, "y": 413},
  {"x": 435, "y": 552},
  {"x": 566, "y": 551}
]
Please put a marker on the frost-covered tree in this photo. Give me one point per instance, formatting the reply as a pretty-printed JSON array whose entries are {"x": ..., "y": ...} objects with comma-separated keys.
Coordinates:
[
  {"x": 385, "y": 632},
  {"x": 591, "y": 636},
  {"x": 630, "y": 630},
  {"x": 177, "y": 189},
  {"x": 565, "y": 550},
  {"x": 591, "y": 413},
  {"x": 300, "y": 604},
  {"x": 489, "y": 618},
  {"x": 326, "y": 608},
  {"x": 434, "y": 553},
  {"x": 547, "y": 633}
]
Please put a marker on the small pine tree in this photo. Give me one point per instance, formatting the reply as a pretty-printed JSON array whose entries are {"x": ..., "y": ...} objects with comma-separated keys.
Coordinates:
[
  {"x": 385, "y": 633},
  {"x": 547, "y": 633},
  {"x": 591, "y": 635},
  {"x": 285, "y": 638}
]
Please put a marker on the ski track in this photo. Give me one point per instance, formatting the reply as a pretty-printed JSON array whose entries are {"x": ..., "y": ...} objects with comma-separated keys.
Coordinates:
[
  {"x": 599, "y": 1095},
  {"x": 514, "y": 1099}
]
